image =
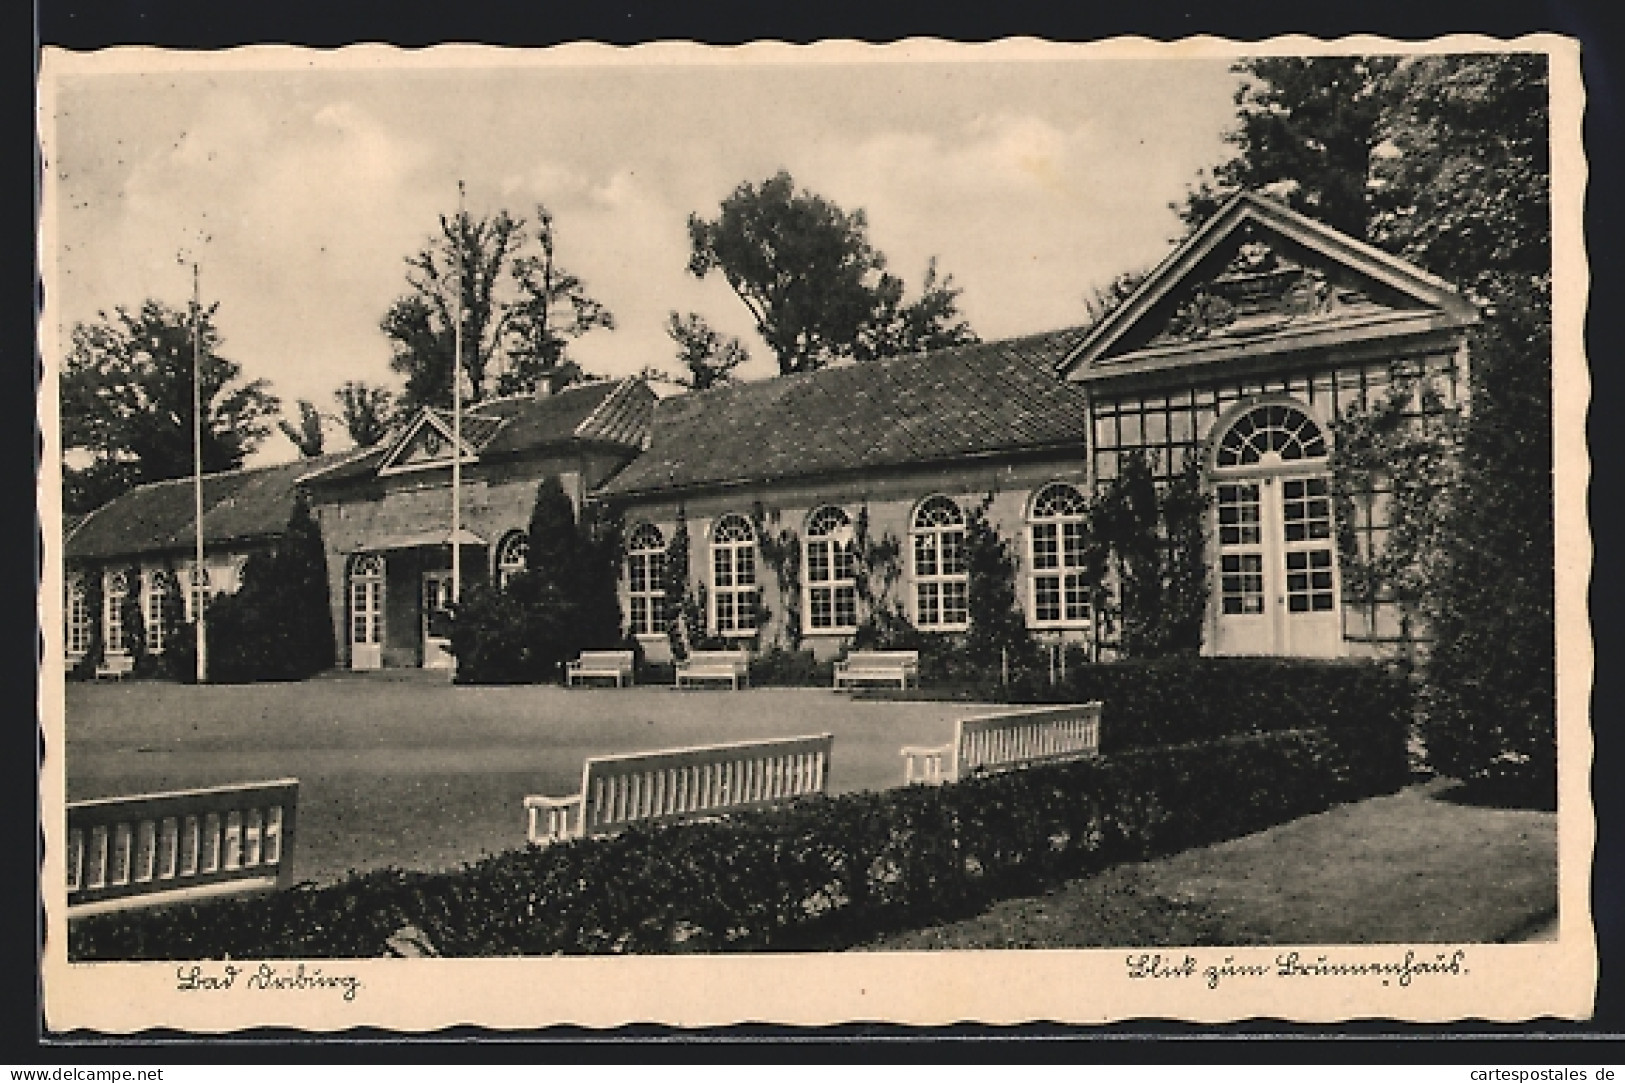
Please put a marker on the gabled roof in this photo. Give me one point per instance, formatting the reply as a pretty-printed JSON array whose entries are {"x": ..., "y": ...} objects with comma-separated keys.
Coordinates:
[
  {"x": 615, "y": 413},
  {"x": 916, "y": 408},
  {"x": 238, "y": 506},
  {"x": 1258, "y": 277}
]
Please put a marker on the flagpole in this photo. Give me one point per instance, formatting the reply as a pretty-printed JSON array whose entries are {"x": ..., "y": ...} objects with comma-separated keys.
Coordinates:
[
  {"x": 457, "y": 419},
  {"x": 198, "y": 573}
]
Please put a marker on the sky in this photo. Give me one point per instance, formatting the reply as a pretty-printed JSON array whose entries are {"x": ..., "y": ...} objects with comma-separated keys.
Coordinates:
[{"x": 301, "y": 183}]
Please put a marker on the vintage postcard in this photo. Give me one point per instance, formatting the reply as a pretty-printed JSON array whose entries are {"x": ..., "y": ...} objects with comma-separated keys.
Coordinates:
[{"x": 928, "y": 533}]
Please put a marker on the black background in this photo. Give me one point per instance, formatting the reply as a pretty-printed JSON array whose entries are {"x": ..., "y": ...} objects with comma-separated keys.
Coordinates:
[{"x": 212, "y": 24}]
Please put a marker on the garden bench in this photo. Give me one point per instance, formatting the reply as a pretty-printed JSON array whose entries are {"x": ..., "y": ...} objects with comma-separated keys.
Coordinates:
[
  {"x": 681, "y": 783},
  {"x": 164, "y": 847},
  {"x": 116, "y": 666},
  {"x": 1015, "y": 738},
  {"x": 886, "y": 666},
  {"x": 730, "y": 666},
  {"x": 616, "y": 664}
]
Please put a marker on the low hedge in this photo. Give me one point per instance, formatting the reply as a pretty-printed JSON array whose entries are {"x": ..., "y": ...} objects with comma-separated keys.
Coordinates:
[
  {"x": 817, "y": 874},
  {"x": 1179, "y": 700}
]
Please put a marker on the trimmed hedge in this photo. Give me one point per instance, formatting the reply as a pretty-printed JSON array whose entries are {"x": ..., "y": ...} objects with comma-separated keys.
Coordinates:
[
  {"x": 820, "y": 873},
  {"x": 1167, "y": 701}
]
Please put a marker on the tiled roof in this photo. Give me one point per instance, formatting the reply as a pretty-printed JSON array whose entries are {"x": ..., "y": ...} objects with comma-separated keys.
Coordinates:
[
  {"x": 157, "y": 517},
  {"x": 915, "y": 408},
  {"x": 615, "y": 412}
]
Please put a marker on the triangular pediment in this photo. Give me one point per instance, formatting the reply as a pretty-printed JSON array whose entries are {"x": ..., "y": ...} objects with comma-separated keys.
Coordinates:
[
  {"x": 1260, "y": 276},
  {"x": 424, "y": 444}
]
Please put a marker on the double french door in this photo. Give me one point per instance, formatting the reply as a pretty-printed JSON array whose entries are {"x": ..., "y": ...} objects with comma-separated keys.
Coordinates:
[{"x": 1277, "y": 568}]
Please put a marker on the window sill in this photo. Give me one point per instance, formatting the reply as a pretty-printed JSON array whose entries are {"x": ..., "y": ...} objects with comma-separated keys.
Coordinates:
[
  {"x": 830, "y": 631},
  {"x": 944, "y": 629}
]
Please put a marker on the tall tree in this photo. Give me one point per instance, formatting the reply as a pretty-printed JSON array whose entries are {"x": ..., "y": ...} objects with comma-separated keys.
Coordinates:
[
  {"x": 815, "y": 286},
  {"x": 306, "y": 435},
  {"x": 520, "y": 310},
  {"x": 365, "y": 411},
  {"x": 552, "y": 310},
  {"x": 707, "y": 356},
  {"x": 1306, "y": 129},
  {"x": 127, "y": 403}
]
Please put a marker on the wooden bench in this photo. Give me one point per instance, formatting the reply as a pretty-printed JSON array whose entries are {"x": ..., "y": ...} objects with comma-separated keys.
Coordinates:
[
  {"x": 882, "y": 666},
  {"x": 616, "y": 664},
  {"x": 165, "y": 847},
  {"x": 116, "y": 666},
  {"x": 681, "y": 783},
  {"x": 730, "y": 666},
  {"x": 1015, "y": 738}
]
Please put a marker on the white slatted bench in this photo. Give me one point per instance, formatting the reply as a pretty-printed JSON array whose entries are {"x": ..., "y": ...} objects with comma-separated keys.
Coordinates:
[
  {"x": 116, "y": 666},
  {"x": 616, "y": 664},
  {"x": 1009, "y": 739},
  {"x": 879, "y": 666},
  {"x": 730, "y": 666},
  {"x": 681, "y": 783},
  {"x": 165, "y": 847}
]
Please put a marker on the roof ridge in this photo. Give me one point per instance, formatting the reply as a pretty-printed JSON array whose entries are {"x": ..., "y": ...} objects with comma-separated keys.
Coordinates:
[{"x": 586, "y": 422}]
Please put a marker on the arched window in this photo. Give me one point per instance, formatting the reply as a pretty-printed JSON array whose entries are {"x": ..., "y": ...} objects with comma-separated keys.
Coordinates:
[
  {"x": 1058, "y": 531},
  {"x": 733, "y": 576},
  {"x": 1275, "y": 562},
  {"x": 832, "y": 567},
  {"x": 118, "y": 589},
  {"x": 197, "y": 590},
  {"x": 78, "y": 631},
  {"x": 367, "y": 601},
  {"x": 1278, "y": 430},
  {"x": 513, "y": 552},
  {"x": 155, "y": 610},
  {"x": 941, "y": 577},
  {"x": 646, "y": 580}
]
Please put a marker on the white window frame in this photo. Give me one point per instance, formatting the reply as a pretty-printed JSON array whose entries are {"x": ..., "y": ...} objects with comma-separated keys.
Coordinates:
[
  {"x": 1040, "y": 521},
  {"x": 197, "y": 586},
  {"x": 938, "y": 528},
  {"x": 153, "y": 589},
  {"x": 117, "y": 590},
  {"x": 646, "y": 565},
  {"x": 733, "y": 577},
  {"x": 77, "y": 633},
  {"x": 512, "y": 557},
  {"x": 367, "y": 571},
  {"x": 829, "y": 532}
]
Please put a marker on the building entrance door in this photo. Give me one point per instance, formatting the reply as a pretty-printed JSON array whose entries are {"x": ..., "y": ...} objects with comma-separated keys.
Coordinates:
[
  {"x": 1277, "y": 568},
  {"x": 367, "y": 612},
  {"x": 437, "y": 620}
]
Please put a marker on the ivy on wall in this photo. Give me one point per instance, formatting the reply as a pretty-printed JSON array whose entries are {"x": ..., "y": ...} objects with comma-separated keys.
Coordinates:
[
  {"x": 780, "y": 550},
  {"x": 1405, "y": 451},
  {"x": 1156, "y": 535}
]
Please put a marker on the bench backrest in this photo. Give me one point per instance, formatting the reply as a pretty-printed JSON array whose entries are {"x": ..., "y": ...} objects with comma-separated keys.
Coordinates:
[
  {"x": 685, "y": 782},
  {"x": 134, "y": 851},
  {"x": 739, "y": 660},
  {"x": 1025, "y": 736},
  {"x": 605, "y": 659},
  {"x": 882, "y": 659}
]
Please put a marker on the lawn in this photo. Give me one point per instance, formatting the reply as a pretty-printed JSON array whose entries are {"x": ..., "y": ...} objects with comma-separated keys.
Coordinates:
[
  {"x": 1414, "y": 867},
  {"x": 405, "y": 769}
]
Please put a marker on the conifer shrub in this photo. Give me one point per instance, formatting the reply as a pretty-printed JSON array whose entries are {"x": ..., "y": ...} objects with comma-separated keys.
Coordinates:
[{"x": 277, "y": 626}]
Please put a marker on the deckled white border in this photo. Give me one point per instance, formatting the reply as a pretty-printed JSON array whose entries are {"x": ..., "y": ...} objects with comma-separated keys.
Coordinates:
[{"x": 1505, "y": 983}]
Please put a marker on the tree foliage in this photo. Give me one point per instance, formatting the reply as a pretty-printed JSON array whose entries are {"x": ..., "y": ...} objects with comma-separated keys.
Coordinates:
[
  {"x": 1155, "y": 536},
  {"x": 127, "y": 403},
  {"x": 565, "y": 600},
  {"x": 365, "y": 411},
  {"x": 306, "y": 434},
  {"x": 278, "y": 626},
  {"x": 814, "y": 285},
  {"x": 520, "y": 310},
  {"x": 1306, "y": 130},
  {"x": 707, "y": 357}
]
